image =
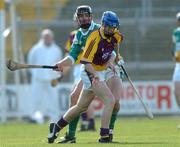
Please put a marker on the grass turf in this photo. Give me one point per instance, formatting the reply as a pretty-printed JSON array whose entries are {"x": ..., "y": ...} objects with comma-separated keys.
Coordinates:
[{"x": 129, "y": 132}]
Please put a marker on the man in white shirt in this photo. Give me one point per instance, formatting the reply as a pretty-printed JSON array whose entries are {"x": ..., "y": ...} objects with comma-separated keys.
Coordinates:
[{"x": 44, "y": 97}]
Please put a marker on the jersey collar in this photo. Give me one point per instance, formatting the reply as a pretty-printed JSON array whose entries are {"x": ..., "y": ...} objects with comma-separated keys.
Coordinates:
[
  {"x": 90, "y": 29},
  {"x": 103, "y": 36}
]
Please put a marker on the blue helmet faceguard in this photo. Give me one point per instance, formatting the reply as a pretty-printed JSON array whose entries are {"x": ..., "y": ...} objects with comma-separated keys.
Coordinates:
[{"x": 110, "y": 18}]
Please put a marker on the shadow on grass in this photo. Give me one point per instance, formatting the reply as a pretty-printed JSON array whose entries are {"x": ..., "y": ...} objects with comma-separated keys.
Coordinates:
[
  {"x": 133, "y": 143},
  {"x": 122, "y": 143}
]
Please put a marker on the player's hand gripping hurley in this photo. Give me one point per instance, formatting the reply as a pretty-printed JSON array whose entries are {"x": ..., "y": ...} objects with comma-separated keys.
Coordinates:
[
  {"x": 12, "y": 65},
  {"x": 146, "y": 108}
]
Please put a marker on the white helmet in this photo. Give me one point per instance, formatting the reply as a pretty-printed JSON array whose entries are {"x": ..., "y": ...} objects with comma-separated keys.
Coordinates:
[{"x": 178, "y": 16}]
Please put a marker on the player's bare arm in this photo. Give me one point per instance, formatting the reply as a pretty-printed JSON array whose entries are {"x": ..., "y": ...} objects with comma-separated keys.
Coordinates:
[{"x": 67, "y": 61}]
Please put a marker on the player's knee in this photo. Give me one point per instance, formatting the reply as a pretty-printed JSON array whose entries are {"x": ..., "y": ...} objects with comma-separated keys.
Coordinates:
[
  {"x": 82, "y": 108},
  {"x": 74, "y": 99},
  {"x": 116, "y": 107},
  {"x": 110, "y": 102}
]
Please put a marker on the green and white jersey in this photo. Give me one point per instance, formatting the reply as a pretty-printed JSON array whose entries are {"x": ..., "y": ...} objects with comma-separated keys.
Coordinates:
[
  {"x": 80, "y": 41},
  {"x": 176, "y": 39}
]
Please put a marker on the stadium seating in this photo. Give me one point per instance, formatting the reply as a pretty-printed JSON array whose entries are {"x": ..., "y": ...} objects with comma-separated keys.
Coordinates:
[{"x": 151, "y": 44}]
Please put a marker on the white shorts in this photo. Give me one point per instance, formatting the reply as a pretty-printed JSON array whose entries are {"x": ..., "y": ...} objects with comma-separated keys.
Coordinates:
[
  {"x": 176, "y": 74},
  {"x": 109, "y": 73},
  {"x": 104, "y": 75},
  {"x": 77, "y": 73}
]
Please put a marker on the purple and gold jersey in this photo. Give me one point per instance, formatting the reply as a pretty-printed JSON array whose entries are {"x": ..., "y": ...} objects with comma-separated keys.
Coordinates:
[
  {"x": 98, "y": 49},
  {"x": 70, "y": 40}
]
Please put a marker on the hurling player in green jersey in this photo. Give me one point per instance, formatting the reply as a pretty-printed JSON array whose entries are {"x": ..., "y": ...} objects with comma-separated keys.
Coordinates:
[
  {"x": 83, "y": 16},
  {"x": 176, "y": 74}
]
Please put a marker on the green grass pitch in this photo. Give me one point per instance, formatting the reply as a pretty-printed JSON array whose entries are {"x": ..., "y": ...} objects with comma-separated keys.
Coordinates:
[{"x": 129, "y": 132}]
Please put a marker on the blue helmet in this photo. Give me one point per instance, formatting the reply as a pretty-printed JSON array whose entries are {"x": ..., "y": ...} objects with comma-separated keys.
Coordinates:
[{"x": 110, "y": 18}]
